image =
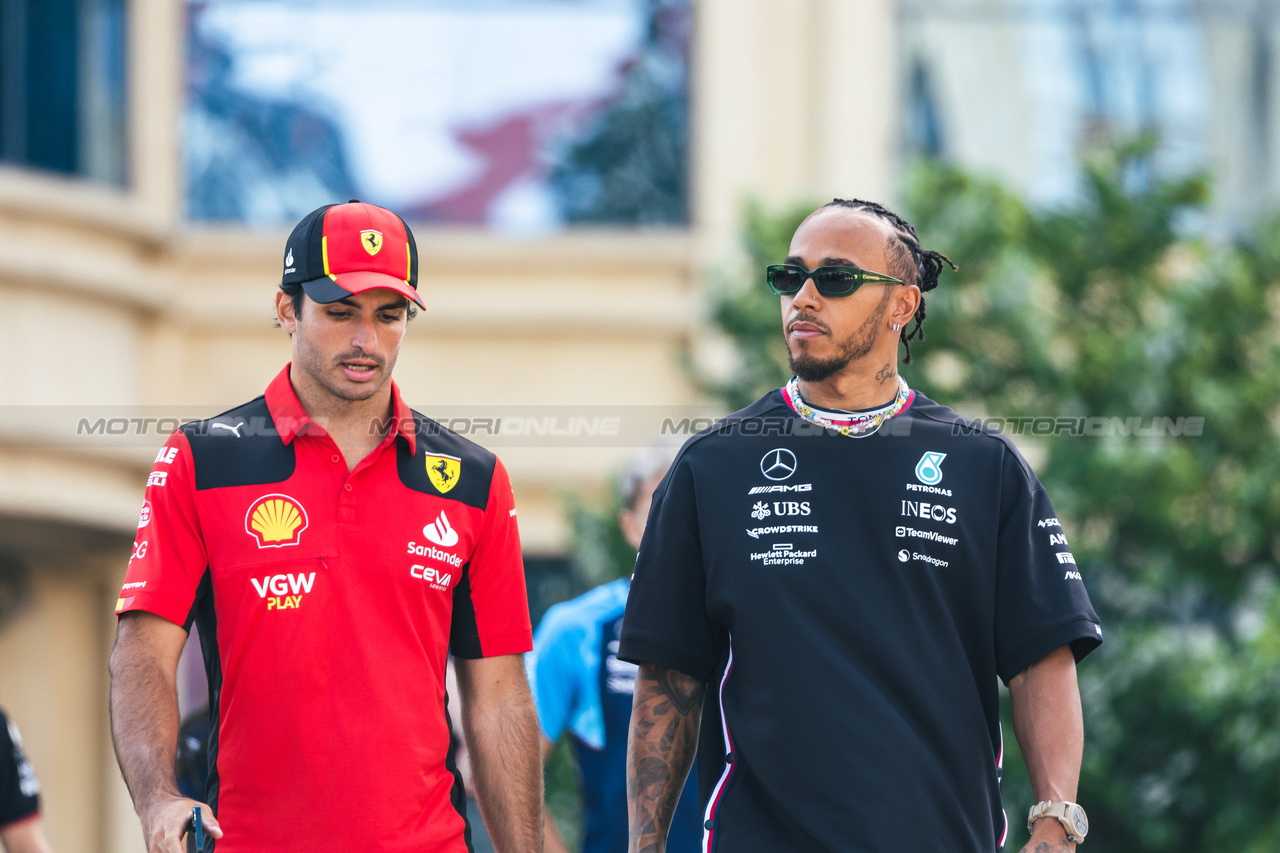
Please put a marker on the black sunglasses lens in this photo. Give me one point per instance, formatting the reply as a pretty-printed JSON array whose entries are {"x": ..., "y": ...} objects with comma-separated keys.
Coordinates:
[
  {"x": 786, "y": 280},
  {"x": 834, "y": 282}
]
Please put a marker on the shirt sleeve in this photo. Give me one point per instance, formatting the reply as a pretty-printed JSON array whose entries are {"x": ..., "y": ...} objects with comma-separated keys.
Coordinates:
[
  {"x": 19, "y": 788},
  {"x": 169, "y": 557},
  {"x": 666, "y": 618},
  {"x": 1041, "y": 602},
  {"x": 491, "y": 607},
  {"x": 555, "y": 668}
]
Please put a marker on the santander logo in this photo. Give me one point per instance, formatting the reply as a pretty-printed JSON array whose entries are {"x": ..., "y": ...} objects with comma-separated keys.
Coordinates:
[{"x": 441, "y": 532}]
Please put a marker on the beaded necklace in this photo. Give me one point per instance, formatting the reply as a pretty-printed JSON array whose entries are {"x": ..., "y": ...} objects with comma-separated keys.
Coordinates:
[{"x": 854, "y": 425}]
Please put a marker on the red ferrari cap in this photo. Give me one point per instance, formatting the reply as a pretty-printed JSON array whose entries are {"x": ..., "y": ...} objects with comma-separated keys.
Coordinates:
[{"x": 342, "y": 249}]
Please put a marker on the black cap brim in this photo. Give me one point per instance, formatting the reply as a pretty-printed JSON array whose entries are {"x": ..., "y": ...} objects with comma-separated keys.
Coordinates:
[{"x": 326, "y": 290}]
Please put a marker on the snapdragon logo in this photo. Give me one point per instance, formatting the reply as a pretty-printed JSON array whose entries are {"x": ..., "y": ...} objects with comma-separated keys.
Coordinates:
[{"x": 905, "y": 556}]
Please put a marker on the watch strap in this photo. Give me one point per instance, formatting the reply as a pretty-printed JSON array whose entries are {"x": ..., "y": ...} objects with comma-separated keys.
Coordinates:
[{"x": 1063, "y": 812}]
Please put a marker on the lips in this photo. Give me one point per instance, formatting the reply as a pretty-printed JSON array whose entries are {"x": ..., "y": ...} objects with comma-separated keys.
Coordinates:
[
  {"x": 804, "y": 330},
  {"x": 358, "y": 371}
]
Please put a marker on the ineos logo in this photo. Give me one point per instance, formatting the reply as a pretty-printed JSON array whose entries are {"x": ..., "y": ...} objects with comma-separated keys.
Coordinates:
[{"x": 778, "y": 464}]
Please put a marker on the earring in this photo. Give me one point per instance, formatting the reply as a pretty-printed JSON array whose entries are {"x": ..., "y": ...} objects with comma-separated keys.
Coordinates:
[{"x": 895, "y": 327}]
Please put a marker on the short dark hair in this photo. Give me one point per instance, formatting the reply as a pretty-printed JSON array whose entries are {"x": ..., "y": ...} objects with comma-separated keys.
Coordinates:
[
  {"x": 910, "y": 263},
  {"x": 643, "y": 465},
  {"x": 294, "y": 291}
]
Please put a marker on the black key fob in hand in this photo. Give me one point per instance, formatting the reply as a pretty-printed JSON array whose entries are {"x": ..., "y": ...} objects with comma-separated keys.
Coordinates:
[{"x": 195, "y": 835}]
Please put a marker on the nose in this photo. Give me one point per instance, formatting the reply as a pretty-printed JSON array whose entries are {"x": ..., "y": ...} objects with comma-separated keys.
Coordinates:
[
  {"x": 807, "y": 295},
  {"x": 364, "y": 334}
]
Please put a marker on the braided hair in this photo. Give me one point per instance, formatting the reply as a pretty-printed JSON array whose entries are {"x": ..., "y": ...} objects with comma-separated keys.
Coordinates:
[{"x": 912, "y": 264}]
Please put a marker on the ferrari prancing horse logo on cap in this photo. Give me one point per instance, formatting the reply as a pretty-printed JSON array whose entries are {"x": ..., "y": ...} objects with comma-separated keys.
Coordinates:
[
  {"x": 372, "y": 241},
  {"x": 443, "y": 471}
]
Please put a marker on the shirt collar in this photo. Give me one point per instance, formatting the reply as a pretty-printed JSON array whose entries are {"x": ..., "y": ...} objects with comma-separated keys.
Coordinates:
[{"x": 292, "y": 420}]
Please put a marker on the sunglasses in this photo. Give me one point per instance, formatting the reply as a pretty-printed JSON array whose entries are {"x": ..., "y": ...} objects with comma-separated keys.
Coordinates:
[{"x": 787, "y": 279}]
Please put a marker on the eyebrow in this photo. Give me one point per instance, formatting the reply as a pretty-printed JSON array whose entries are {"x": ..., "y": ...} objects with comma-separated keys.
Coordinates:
[
  {"x": 826, "y": 262},
  {"x": 350, "y": 302}
]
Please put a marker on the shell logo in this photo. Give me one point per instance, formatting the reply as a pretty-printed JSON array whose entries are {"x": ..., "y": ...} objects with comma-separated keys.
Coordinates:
[{"x": 275, "y": 521}]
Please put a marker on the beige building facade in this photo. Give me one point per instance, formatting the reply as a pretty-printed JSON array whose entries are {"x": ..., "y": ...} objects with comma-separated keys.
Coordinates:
[{"x": 118, "y": 308}]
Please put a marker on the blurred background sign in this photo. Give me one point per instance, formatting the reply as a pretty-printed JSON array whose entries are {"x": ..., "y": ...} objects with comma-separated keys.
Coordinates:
[{"x": 524, "y": 115}]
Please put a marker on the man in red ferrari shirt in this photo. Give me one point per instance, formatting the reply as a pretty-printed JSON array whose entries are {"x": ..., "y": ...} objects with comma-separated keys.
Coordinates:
[{"x": 332, "y": 547}]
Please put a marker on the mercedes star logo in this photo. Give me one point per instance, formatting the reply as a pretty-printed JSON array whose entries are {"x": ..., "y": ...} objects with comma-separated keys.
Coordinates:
[{"x": 778, "y": 464}]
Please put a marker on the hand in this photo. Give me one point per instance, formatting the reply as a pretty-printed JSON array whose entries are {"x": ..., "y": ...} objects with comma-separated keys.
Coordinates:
[
  {"x": 1048, "y": 836},
  {"x": 164, "y": 823}
]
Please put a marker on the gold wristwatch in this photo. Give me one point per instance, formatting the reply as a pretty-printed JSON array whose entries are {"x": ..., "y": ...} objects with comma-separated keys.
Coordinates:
[{"x": 1070, "y": 815}]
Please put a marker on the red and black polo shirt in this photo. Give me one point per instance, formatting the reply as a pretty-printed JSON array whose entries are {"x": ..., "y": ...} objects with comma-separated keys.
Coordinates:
[{"x": 327, "y": 602}]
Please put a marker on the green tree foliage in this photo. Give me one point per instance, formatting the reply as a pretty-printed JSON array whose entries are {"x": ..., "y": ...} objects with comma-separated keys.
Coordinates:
[
  {"x": 631, "y": 165},
  {"x": 1102, "y": 311},
  {"x": 600, "y": 552}
]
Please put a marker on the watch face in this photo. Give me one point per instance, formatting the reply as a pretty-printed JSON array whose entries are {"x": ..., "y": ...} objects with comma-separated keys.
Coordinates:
[{"x": 1080, "y": 820}]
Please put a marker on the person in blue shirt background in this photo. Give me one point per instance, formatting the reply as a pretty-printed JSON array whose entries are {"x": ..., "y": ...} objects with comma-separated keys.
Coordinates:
[{"x": 581, "y": 687}]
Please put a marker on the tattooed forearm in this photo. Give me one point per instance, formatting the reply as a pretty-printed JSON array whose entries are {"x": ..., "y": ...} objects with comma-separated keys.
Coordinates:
[
  {"x": 684, "y": 692},
  {"x": 665, "y": 715},
  {"x": 886, "y": 373}
]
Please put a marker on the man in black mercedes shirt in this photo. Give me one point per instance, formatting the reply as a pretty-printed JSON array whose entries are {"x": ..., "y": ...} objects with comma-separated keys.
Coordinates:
[{"x": 831, "y": 582}]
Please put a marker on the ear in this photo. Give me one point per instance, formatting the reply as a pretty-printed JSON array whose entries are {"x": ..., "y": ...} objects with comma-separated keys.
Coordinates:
[
  {"x": 632, "y": 527},
  {"x": 903, "y": 306},
  {"x": 284, "y": 312}
]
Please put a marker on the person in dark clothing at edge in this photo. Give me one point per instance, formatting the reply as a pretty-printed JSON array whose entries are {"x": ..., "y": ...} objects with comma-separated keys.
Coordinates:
[
  {"x": 582, "y": 689},
  {"x": 21, "y": 824},
  {"x": 830, "y": 583}
]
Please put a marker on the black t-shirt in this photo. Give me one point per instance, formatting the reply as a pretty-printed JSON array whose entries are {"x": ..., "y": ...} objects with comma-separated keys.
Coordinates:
[
  {"x": 19, "y": 788},
  {"x": 851, "y": 603}
]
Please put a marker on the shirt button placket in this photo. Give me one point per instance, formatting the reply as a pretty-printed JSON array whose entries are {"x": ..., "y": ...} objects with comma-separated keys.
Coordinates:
[{"x": 346, "y": 506}]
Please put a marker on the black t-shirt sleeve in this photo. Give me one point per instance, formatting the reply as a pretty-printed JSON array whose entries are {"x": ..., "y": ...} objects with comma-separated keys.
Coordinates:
[
  {"x": 19, "y": 790},
  {"x": 1041, "y": 602},
  {"x": 666, "y": 617}
]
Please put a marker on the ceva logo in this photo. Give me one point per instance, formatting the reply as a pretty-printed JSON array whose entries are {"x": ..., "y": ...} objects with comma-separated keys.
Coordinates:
[{"x": 438, "y": 579}]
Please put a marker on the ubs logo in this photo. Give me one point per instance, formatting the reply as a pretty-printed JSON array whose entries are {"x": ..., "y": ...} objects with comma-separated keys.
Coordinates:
[{"x": 778, "y": 464}]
